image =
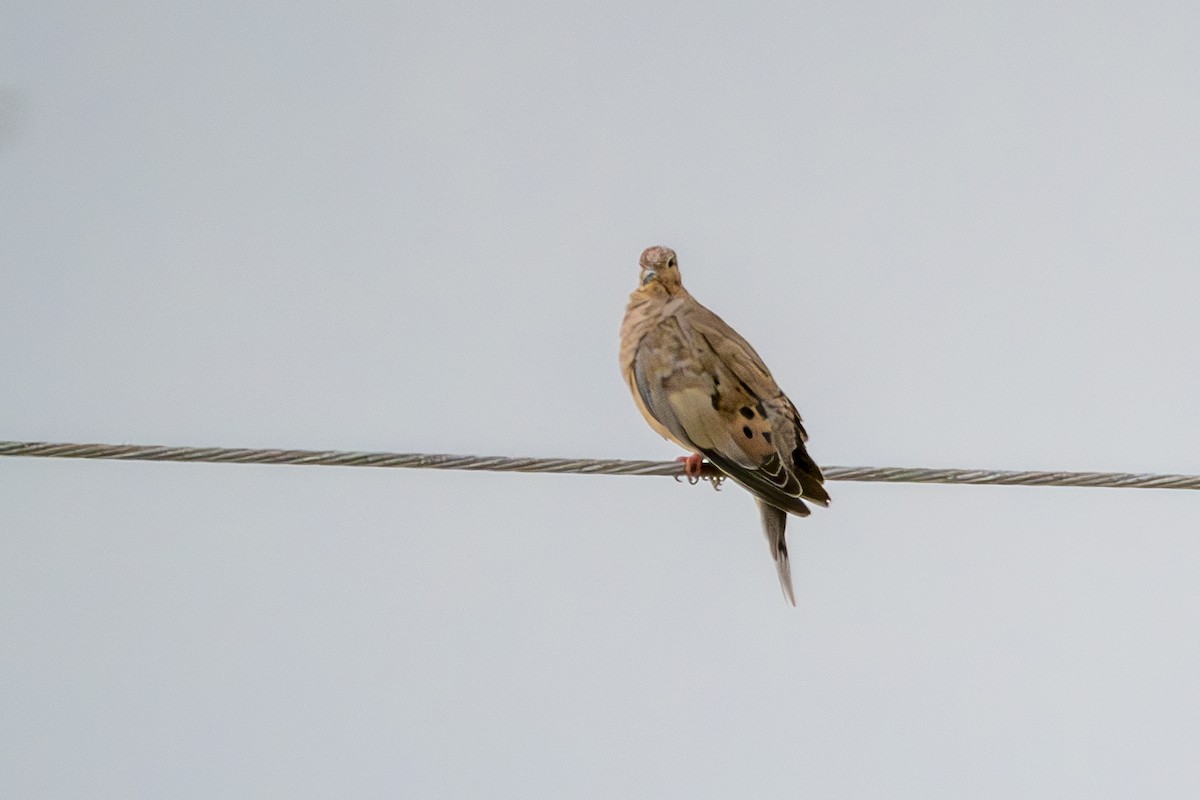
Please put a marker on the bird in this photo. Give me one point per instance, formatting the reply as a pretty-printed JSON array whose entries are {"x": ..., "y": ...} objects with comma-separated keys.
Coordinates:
[{"x": 702, "y": 386}]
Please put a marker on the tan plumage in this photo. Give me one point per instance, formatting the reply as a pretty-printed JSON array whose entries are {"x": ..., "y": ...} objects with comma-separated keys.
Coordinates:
[{"x": 701, "y": 385}]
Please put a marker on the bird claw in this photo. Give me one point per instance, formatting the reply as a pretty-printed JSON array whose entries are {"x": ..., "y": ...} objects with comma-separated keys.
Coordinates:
[{"x": 693, "y": 470}]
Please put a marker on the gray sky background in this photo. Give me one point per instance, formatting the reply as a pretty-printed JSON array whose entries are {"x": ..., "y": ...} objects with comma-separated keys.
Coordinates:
[{"x": 961, "y": 234}]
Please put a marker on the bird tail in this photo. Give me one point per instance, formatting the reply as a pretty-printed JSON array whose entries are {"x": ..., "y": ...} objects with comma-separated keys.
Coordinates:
[{"x": 774, "y": 523}]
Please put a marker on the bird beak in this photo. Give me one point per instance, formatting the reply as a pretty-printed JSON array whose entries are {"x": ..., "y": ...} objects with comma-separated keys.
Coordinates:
[{"x": 648, "y": 276}]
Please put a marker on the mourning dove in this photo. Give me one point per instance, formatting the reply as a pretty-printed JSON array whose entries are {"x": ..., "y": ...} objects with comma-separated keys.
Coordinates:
[{"x": 701, "y": 385}]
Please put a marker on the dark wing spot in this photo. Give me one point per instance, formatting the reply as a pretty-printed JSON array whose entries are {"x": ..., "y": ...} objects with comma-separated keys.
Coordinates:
[
  {"x": 715, "y": 399},
  {"x": 746, "y": 430},
  {"x": 767, "y": 436},
  {"x": 761, "y": 412},
  {"x": 748, "y": 413}
]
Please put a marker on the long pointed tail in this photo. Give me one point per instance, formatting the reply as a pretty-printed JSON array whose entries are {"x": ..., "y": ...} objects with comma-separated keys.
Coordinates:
[{"x": 774, "y": 526}]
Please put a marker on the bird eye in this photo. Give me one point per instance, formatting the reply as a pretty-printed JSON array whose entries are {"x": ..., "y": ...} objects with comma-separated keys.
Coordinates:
[{"x": 671, "y": 261}]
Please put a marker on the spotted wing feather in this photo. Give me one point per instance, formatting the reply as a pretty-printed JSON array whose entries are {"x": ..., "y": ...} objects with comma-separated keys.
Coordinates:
[{"x": 746, "y": 395}]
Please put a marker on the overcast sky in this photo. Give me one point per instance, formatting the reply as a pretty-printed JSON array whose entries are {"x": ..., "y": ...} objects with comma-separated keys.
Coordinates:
[{"x": 961, "y": 235}]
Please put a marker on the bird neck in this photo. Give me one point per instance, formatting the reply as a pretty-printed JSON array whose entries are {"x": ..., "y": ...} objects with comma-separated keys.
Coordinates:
[{"x": 657, "y": 290}]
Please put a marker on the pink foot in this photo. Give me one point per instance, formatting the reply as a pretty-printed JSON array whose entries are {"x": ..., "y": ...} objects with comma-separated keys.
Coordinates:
[{"x": 693, "y": 467}]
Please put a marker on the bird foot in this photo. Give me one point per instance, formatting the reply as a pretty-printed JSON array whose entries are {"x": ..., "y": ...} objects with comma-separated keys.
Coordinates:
[{"x": 693, "y": 467}]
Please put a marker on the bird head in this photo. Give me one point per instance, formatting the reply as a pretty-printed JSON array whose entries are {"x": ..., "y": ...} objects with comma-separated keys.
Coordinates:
[{"x": 660, "y": 265}]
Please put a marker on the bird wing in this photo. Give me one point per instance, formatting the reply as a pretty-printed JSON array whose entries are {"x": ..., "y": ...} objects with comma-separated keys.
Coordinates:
[{"x": 704, "y": 384}]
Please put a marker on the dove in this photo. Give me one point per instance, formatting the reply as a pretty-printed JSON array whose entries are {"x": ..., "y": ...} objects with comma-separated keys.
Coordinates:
[{"x": 702, "y": 386}]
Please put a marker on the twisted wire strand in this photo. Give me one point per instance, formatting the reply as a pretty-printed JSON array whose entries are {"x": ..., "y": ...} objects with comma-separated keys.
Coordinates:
[{"x": 580, "y": 466}]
